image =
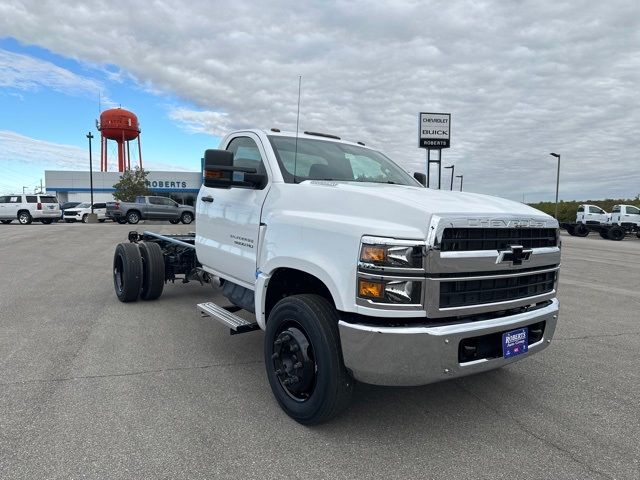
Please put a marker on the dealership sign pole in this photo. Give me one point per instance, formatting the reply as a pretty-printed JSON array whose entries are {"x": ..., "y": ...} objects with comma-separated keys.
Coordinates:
[
  {"x": 90, "y": 136},
  {"x": 434, "y": 133}
]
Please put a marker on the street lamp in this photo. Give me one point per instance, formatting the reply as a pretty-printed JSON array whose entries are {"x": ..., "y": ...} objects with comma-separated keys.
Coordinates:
[
  {"x": 453, "y": 172},
  {"x": 90, "y": 136},
  {"x": 461, "y": 177},
  {"x": 557, "y": 155}
]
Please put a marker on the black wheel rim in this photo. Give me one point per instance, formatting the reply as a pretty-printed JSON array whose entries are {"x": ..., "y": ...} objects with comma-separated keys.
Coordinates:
[
  {"x": 117, "y": 274},
  {"x": 294, "y": 361}
]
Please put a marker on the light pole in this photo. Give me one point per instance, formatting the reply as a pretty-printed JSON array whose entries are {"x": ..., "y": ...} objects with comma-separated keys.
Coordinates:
[
  {"x": 557, "y": 155},
  {"x": 461, "y": 177},
  {"x": 90, "y": 136},
  {"x": 453, "y": 172}
]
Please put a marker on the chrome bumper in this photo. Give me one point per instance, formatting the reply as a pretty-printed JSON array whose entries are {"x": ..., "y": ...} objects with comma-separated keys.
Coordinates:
[{"x": 405, "y": 356}]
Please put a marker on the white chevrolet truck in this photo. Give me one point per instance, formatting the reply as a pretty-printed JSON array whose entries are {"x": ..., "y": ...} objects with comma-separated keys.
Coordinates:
[{"x": 353, "y": 269}]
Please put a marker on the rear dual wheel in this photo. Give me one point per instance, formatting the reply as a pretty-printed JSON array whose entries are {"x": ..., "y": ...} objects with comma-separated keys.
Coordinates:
[
  {"x": 304, "y": 360},
  {"x": 138, "y": 271}
]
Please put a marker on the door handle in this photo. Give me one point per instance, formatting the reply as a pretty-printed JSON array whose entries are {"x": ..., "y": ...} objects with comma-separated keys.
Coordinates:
[{"x": 207, "y": 199}]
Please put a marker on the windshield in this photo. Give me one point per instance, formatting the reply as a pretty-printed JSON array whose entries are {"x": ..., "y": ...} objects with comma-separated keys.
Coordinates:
[
  {"x": 326, "y": 160},
  {"x": 83, "y": 205}
]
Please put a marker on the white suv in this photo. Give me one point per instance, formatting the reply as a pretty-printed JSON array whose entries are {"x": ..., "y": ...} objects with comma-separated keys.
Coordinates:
[
  {"x": 81, "y": 212},
  {"x": 28, "y": 208}
]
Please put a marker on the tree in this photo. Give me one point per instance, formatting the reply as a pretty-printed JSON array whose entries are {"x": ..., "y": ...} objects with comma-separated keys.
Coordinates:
[{"x": 132, "y": 183}]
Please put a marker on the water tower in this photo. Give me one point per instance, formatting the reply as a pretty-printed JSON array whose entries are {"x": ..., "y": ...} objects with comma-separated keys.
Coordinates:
[{"x": 121, "y": 126}]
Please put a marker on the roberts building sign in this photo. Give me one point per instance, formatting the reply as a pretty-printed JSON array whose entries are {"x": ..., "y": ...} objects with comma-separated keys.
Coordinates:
[{"x": 435, "y": 130}]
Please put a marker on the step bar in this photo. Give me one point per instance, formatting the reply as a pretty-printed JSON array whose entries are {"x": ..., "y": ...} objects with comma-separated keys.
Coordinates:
[{"x": 235, "y": 323}]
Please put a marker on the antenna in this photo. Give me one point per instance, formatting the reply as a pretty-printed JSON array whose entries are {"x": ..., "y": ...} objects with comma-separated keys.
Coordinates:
[{"x": 295, "y": 155}]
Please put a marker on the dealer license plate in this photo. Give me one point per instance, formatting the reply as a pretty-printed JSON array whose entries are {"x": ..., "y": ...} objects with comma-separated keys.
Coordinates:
[{"x": 515, "y": 342}]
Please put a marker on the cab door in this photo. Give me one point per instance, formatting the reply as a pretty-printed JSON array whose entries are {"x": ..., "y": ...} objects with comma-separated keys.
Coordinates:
[
  {"x": 580, "y": 214},
  {"x": 228, "y": 225}
]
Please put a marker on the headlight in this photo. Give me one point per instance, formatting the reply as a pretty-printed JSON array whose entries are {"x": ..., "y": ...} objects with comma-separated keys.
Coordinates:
[
  {"x": 390, "y": 291},
  {"x": 395, "y": 256},
  {"x": 390, "y": 272}
]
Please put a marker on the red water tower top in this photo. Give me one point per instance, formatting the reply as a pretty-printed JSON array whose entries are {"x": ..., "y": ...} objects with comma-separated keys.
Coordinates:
[{"x": 119, "y": 124}]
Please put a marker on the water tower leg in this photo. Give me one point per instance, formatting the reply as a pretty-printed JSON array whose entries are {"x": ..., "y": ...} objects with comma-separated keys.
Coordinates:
[
  {"x": 103, "y": 145},
  {"x": 139, "y": 152},
  {"x": 128, "y": 157}
]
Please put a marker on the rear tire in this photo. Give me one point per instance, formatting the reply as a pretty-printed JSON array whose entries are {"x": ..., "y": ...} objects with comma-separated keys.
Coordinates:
[
  {"x": 24, "y": 218},
  {"x": 186, "y": 218},
  {"x": 127, "y": 272},
  {"x": 133, "y": 217},
  {"x": 174, "y": 221},
  {"x": 304, "y": 360},
  {"x": 581, "y": 230},
  {"x": 152, "y": 270},
  {"x": 616, "y": 233}
]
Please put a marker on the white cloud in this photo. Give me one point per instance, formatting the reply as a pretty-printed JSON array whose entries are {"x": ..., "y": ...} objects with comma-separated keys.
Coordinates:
[
  {"x": 520, "y": 79},
  {"x": 22, "y": 72}
]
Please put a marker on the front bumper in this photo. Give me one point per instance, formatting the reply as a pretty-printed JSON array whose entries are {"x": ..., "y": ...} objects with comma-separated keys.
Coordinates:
[{"x": 406, "y": 356}]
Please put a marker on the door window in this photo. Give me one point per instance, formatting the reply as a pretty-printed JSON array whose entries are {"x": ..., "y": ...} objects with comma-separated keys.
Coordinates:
[
  {"x": 580, "y": 209},
  {"x": 615, "y": 209},
  {"x": 155, "y": 201},
  {"x": 168, "y": 202},
  {"x": 633, "y": 211},
  {"x": 596, "y": 210},
  {"x": 246, "y": 154}
]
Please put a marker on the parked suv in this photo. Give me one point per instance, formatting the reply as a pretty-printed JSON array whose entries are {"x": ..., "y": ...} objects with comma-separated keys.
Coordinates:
[
  {"x": 28, "y": 208},
  {"x": 81, "y": 212}
]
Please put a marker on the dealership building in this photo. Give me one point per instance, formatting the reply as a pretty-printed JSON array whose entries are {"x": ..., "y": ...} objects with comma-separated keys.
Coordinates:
[{"x": 71, "y": 186}]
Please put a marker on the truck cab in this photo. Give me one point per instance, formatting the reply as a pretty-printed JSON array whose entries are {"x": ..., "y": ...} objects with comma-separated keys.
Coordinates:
[
  {"x": 591, "y": 215},
  {"x": 625, "y": 215}
]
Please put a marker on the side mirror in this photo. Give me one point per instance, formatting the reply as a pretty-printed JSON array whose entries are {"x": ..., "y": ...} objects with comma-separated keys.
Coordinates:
[
  {"x": 421, "y": 177},
  {"x": 219, "y": 172}
]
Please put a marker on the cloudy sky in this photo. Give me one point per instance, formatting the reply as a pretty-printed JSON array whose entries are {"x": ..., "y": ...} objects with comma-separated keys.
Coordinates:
[{"x": 520, "y": 79}]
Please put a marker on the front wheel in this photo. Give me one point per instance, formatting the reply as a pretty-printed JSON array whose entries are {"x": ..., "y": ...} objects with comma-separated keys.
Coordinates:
[
  {"x": 303, "y": 359},
  {"x": 616, "y": 233},
  {"x": 186, "y": 218},
  {"x": 84, "y": 218}
]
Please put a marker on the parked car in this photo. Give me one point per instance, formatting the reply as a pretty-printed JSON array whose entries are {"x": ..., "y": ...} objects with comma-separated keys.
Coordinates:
[
  {"x": 67, "y": 205},
  {"x": 25, "y": 208},
  {"x": 150, "y": 208},
  {"x": 81, "y": 212}
]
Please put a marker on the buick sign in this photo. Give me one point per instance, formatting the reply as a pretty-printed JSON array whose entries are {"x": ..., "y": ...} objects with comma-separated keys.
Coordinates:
[{"x": 434, "y": 130}]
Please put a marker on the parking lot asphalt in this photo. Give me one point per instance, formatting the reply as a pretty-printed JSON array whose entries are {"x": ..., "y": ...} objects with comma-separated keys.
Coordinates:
[{"x": 93, "y": 388}]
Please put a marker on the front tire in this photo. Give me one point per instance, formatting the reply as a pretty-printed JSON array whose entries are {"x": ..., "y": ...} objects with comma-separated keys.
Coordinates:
[
  {"x": 616, "y": 233},
  {"x": 84, "y": 218},
  {"x": 127, "y": 272},
  {"x": 303, "y": 359},
  {"x": 581, "y": 230},
  {"x": 186, "y": 218},
  {"x": 152, "y": 270}
]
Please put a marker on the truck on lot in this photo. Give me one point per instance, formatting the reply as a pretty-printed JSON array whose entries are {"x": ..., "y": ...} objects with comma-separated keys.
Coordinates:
[
  {"x": 150, "y": 208},
  {"x": 622, "y": 221},
  {"x": 353, "y": 269}
]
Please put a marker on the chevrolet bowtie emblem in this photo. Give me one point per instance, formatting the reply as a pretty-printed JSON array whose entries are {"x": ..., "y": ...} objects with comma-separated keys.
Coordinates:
[{"x": 516, "y": 255}]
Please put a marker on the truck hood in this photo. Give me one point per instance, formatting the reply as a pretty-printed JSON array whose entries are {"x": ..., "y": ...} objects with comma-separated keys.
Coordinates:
[{"x": 406, "y": 210}]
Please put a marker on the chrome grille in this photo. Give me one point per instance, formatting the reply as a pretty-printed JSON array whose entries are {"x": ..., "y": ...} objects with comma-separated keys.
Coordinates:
[{"x": 467, "y": 239}]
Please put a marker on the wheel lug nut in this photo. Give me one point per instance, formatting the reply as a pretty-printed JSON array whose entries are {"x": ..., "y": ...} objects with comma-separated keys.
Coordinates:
[
  {"x": 297, "y": 365},
  {"x": 278, "y": 342},
  {"x": 286, "y": 338}
]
